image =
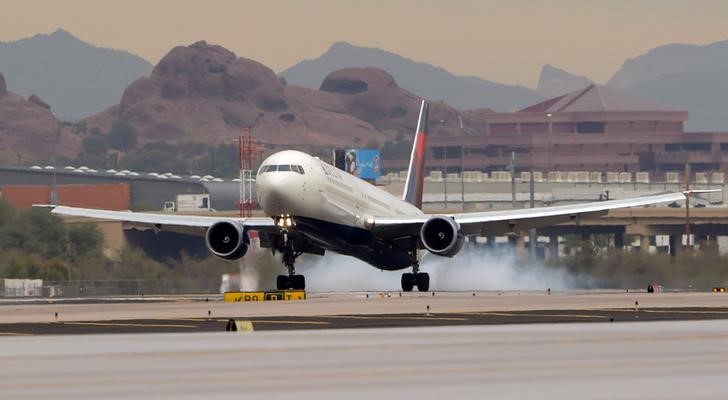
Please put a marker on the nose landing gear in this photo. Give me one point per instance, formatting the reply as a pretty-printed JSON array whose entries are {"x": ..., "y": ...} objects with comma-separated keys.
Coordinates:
[
  {"x": 415, "y": 278},
  {"x": 292, "y": 280}
]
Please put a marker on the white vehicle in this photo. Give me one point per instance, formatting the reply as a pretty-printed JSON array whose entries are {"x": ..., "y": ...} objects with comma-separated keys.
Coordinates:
[
  {"x": 189, "y": 202},
  {"x": 36, "y": 167},
  {"x": 69, "y": 167},
  {"x": 313, "y": 207},
  {"x": 49, "y": 167},
  {"x": 133, "y": 173},
  {"x": 110, "y": 171}
]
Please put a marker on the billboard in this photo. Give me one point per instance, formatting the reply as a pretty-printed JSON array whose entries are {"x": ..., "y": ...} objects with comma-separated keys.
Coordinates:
[{"x": 363, "y": 163}]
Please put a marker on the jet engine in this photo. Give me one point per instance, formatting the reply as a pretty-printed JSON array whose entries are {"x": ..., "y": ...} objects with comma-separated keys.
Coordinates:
[
  {"x": 227, "y": 240},
  {"x": 442, "y": 236}
]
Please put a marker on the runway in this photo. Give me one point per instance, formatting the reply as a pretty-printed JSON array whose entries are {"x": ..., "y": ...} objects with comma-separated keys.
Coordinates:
[
  {"x": 349, "y": 321},
  {"x": 319, "y": 304},
  {"x": 666, "y": 360}
]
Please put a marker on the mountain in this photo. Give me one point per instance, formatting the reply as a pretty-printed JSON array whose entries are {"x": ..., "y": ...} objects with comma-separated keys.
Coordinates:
[
  {"x": 204, "y": 93},
  {"x": 77, "y": 79},
  {"x": 28, "y": 130},
  {"x": 555, "y": 82},
  {"x": 703, "y": 94},
  {"x": 671, "y": 59},
  {"x": 461, "y": 92},
  {"x": 687, "y": 77}
]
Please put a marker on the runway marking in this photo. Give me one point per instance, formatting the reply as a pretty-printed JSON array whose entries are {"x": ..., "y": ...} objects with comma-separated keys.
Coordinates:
[
  {"x": 684, "y": 311},
  {"x": 15, "y": 334},
  {"x": 503, "y": 314},
  {"x": 264, "y": 321},
  {"x": 133, "y": 325},
  {"x": 671, "y": 311},
  {"x": 380, "y": 317}
]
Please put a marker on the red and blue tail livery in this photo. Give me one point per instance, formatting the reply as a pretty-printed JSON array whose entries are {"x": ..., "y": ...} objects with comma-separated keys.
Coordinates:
[{"x": 416, "y": 172}]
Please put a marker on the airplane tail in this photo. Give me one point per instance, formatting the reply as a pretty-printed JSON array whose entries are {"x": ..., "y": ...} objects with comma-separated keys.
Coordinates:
[{"x": 416, "y": 171}]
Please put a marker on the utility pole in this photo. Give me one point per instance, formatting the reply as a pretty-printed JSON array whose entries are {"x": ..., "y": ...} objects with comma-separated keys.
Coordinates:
[
  {"x": 462, "y": 174},
  {"x": 532, "y": 231},
  {"x": 687, "y": 205},
  {"x": 444, "y": 176},
  {"x": 512, "y": 168}
]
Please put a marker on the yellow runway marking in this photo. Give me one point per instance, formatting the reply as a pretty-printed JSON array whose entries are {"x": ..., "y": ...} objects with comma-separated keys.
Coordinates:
[
  {"x": 119, "y": 324},
  {"x": 15, "y": 334}
]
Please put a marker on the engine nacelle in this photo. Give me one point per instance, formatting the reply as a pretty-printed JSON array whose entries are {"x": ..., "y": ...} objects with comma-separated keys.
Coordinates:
[
  {"x": 227, "y": 240},
  {"x": 442, "y": 236}
]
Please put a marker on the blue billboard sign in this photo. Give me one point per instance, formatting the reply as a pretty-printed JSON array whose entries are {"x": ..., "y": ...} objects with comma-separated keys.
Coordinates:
[{"x": 363, "y": 163}]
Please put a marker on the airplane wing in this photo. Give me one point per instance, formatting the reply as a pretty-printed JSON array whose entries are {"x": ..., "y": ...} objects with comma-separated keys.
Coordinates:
[
  {"x": 506, "y": 221},
  {"x": 171, "y": 222}
]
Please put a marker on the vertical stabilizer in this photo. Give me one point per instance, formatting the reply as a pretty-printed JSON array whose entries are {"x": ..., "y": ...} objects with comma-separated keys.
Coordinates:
[{"x": 416, "y": 171}]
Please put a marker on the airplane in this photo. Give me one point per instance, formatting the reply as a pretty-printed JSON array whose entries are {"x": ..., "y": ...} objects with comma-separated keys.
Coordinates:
[{"x": 313, "y": 207}]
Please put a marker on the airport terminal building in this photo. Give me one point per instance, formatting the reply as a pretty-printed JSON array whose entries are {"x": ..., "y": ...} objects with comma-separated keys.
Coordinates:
[{"x": 594, "y": 129}]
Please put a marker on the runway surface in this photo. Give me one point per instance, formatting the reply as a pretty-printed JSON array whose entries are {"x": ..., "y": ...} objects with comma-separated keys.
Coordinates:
[
  {"x": 164, "y": 308},
  {"x": 271, "y": 323},
  {"x": 655, "y": 360}
]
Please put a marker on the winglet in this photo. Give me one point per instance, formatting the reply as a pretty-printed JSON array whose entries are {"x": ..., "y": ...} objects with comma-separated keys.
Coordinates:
[{"x": 416, "y": 171}]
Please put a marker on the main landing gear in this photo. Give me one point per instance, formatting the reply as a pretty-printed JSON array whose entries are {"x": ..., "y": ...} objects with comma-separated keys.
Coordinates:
[
  {"x": 415, "y": 278},
  {"x": 290, "y": 281}
]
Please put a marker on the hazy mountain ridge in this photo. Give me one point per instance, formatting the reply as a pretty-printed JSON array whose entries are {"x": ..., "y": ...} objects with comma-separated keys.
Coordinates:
[
  {"x": 77, "y": 79},
  {"x": 461, "y": 92},
  {"x": 688, "y": 77},
  {"x": 555, "y": 81},
  {"x": 671, "y": 59}
]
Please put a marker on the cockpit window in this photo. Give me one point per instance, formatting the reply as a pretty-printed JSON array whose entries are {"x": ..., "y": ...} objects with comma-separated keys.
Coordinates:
[{"x": 281, "y": 168}]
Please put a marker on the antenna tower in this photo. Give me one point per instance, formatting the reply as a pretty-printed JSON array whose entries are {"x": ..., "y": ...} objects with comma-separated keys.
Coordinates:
[{"x": 247, "y": 159}]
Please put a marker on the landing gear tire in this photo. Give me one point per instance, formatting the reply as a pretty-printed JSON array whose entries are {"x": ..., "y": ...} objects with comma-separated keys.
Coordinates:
[
  {"x": 283, "y": 282},
  {"x": 408, "y": 282},
  {"x": 422, "y": 280},
  {"x": 294, "y": 282},
  {"x": 298, "y": 282}
]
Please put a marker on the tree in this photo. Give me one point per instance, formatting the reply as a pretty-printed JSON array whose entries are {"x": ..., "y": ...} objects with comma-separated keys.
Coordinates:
[
  {"x": 96, "y": 145},
  {"x": 122, "y": 135},
  {"x": 85, "y": 238}
]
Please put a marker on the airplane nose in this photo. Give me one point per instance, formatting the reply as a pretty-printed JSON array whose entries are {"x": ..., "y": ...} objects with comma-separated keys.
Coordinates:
[{"x": 276, "y": 193}]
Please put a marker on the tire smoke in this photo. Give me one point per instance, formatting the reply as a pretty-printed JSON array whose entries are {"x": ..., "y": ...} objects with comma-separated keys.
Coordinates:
[{"x": 475, "y": 268}]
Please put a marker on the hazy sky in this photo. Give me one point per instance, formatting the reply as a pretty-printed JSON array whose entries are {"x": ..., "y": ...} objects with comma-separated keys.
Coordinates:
[{"x": 501, "y": 40}]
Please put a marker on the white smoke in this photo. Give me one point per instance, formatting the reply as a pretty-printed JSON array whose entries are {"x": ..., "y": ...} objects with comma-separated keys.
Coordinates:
[{"x": 475, "y": 268}]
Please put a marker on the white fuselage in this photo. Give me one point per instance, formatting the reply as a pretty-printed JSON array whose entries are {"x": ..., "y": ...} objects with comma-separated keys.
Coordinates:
[{"x": 309, "y": 187}]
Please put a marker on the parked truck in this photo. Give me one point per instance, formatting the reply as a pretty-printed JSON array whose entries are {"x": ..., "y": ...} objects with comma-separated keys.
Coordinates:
[{"x": 189, "y": 202}]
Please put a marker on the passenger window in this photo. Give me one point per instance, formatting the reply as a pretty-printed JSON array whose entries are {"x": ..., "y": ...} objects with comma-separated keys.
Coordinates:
[{"x": 284, "y": 168}]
